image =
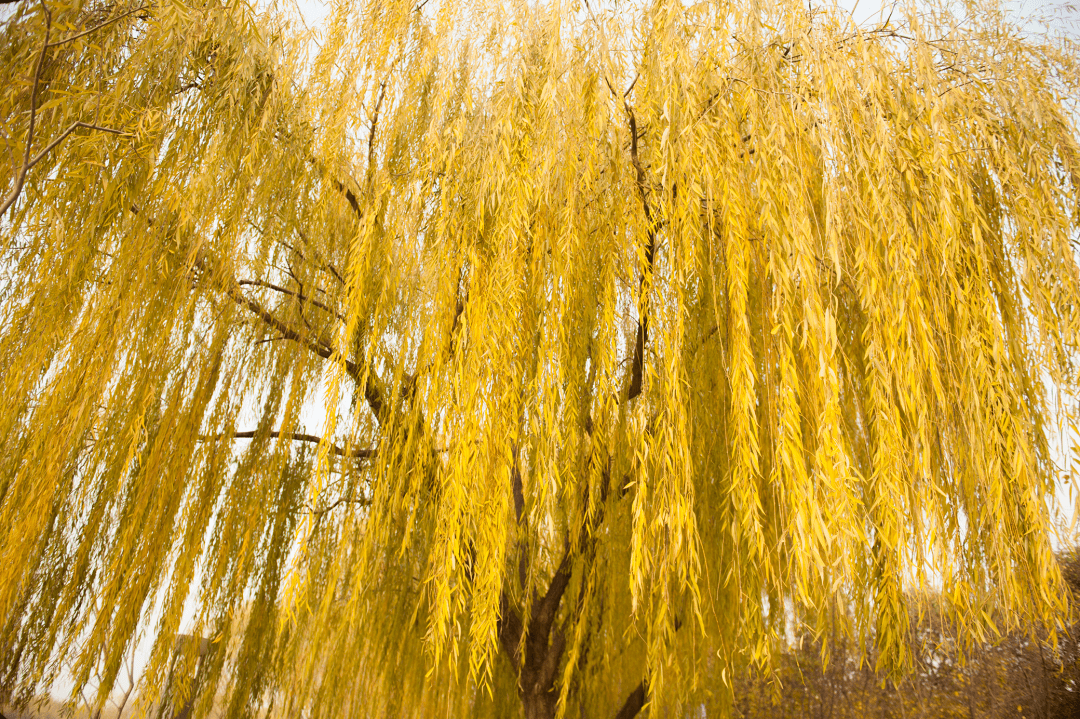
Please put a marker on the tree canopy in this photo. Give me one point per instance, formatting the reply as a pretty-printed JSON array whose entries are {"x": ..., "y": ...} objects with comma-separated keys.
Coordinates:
[{"x": 502, "y": 358}]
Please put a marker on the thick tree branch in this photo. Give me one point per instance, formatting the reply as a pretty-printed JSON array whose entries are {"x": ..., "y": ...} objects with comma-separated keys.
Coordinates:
[
  {"x": 637, "y": 366},
  {"x": 459, "y": 308},
  {"x": 634, "y": 703},
  {"x": 350, "y": 196},
  {"x": 372, "y": 393},
  {"x": 544, "y": 611},
  {"x": 510, "y": 629},
  {"x": 371, "y": 135},
  {"x": 287, "y": 330},
  {"x": 549, "y": 667},
  {"x": 338, "y": 184},
  {"x": 519, "y": 514}
]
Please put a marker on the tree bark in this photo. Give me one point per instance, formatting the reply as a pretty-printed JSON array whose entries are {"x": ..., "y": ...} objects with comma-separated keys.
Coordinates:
[
  {"x": 539, "y": 705},
  {"x": 634, "y": 703}
]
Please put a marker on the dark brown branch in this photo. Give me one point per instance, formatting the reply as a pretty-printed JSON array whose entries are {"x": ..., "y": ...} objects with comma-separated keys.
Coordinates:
[
  {"x": 635, "y": 702},
  {"x": 299, "y": 295},
  {"x": 518, "y": 489},
  {"x": 519, "y": 514},
  {"x": 510, "y": 629},
  {"x": 20, "y": 175},
  {"x": 287, "y": 331},
  {"x": 459, "y": 308},
  {"x": 97, "y": 27},
  {"x": 549, "y": 667},
  {"x": 337, "y": 183},
  {"x": 350, "y": 196},
  {"x": 371, "y": 135},
  {"x": 372, "y": 394},
  {"x": 637, "y": 366},
  {"x": 545, "y": 610},
  {"x": 358, "y": 452}
]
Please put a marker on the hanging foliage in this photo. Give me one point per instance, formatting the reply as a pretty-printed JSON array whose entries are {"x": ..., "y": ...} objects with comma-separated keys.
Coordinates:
[{"x": 496, "y": 358}]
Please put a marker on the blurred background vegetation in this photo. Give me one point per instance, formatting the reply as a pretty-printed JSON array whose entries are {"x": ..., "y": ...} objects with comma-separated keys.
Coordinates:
[{"x": 1016, "y": 675}]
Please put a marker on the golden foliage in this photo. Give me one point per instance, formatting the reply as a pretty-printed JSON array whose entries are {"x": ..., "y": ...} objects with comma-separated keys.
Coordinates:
[{"x": 633, "y": 333}]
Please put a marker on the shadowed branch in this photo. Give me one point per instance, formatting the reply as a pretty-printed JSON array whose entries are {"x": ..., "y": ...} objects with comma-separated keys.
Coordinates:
[{"x": 359, "y": 452}]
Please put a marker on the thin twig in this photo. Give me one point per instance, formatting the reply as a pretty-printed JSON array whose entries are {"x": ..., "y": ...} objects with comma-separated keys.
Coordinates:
[
  {"x": 358, "y": 452},
  {"x": 304, "y": 299},
  {"x": 97, "y": 27},
  {"x": 20, "y": 176},
  {"x": 72, "y": 128},
  {"x": 364, "y": 502}
]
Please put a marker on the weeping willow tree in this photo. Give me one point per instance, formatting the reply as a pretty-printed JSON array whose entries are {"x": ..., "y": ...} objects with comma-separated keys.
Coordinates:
[{"x": 511, "y": 359}]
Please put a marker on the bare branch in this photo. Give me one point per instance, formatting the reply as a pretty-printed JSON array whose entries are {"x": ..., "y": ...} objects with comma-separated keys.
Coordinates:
[
  {"x": 357, "y": 452},
  {"x": 371, "y": 135},
  {"x": 72, "y": 128},
  {"x": 638, "y": 365},
  {"x": 97, "y": 27},
  {"x": 299, "y": 295},
  {"x": 634, "y": 703},
  {"x": 20, "y": 175},
  {"x": 372, "y": 393}
]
